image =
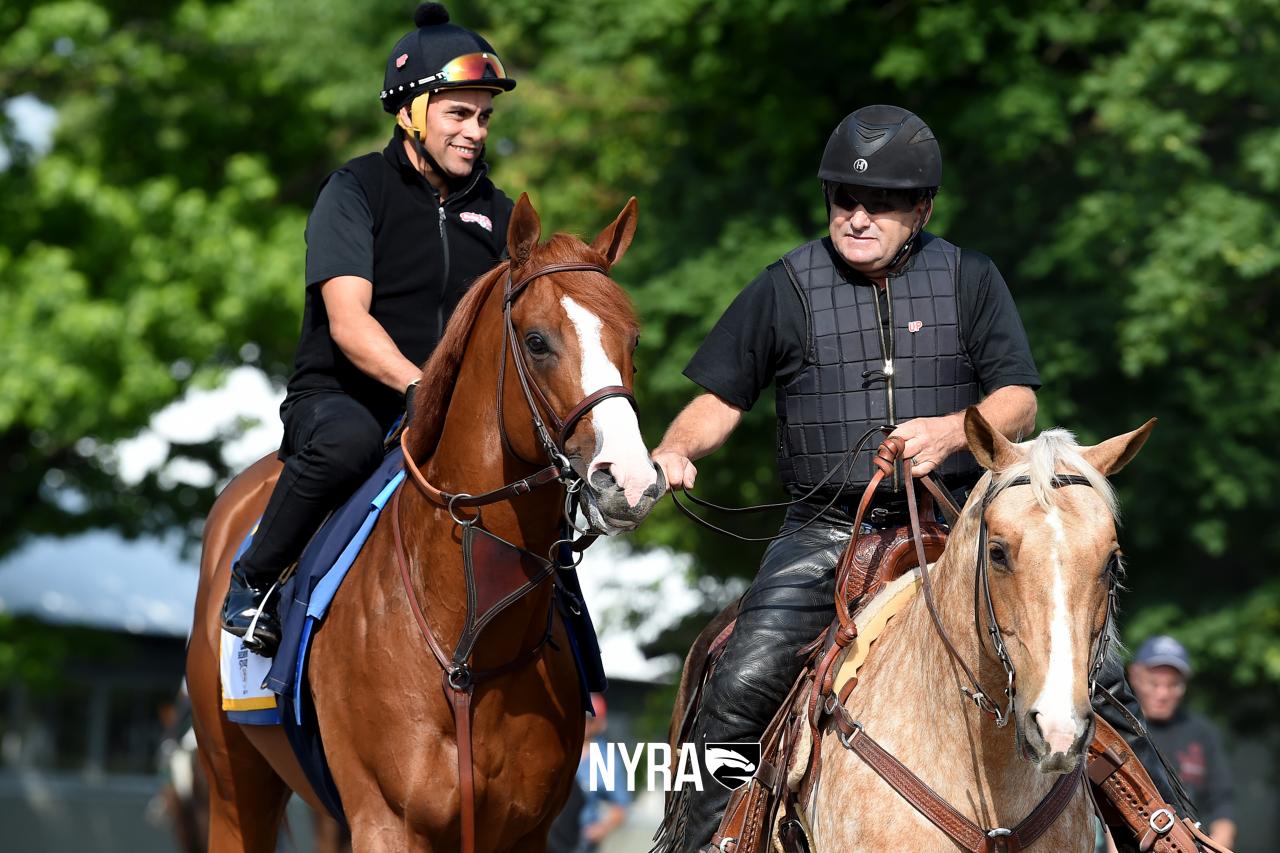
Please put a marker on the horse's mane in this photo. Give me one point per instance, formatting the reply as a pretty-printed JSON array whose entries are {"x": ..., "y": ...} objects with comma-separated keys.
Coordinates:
[
  {"x": 439, "y": 376},
  {"x": 1047, "y": 454}
]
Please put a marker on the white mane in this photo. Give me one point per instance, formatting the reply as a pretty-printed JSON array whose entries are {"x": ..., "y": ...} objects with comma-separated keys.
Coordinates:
[{"x": 1048, "y": 454}]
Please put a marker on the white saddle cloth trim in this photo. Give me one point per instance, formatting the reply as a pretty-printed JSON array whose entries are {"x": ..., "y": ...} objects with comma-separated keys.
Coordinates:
[{"x": 243, "y": 672}]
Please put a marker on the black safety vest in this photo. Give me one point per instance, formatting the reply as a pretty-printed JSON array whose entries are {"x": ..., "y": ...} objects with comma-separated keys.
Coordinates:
[
  {"x": 842, "y": 390},
  {"x": 425, "y": 256}
]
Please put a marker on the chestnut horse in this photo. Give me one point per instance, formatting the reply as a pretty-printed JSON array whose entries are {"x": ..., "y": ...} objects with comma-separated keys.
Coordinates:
[
  {"x": 557, "y": 328},
  {"x": 1045, "y": 573}
]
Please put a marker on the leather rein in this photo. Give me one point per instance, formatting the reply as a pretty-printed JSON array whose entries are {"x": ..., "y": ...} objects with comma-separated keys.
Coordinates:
[
  {"x": 458, "y": 675},
  {"x": 908, "y": 785}
]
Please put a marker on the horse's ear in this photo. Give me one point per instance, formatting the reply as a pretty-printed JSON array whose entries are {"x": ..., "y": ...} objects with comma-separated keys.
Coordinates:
[
  {"x": 1114, "y": 453},
  {"x": 993, "y": 450},
  {"x": 613, "y": 241},
  {"x": 523, "y": 232}
]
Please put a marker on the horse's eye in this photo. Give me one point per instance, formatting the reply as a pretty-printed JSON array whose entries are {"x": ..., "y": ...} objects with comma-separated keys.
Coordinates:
[
  {"x": 996, "y": 554},
  {"x": 536, "y": 344}
]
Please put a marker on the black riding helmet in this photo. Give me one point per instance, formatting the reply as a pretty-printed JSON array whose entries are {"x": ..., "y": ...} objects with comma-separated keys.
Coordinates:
[
  {"x": 882, "y": 146},
  {"x": 886, "y": 147},
  {"x": 440, "y": 55}
]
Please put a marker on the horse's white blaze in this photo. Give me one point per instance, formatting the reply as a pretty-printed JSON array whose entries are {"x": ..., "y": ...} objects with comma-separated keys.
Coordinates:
[
  {"x": 619, "y": 448},
  {"x": 1057, "y": 718}
]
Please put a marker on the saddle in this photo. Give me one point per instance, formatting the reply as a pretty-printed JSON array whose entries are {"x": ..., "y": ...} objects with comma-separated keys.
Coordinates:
[{"x": 767, "y": 812}]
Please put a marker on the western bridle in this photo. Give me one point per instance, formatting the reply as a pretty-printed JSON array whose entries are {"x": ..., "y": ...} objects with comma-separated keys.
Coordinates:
[
  {"x": 853, "y": 736},
  {"x": 479, "y": 545}
]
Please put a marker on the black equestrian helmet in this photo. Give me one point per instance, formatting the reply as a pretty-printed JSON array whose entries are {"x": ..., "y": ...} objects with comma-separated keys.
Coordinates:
[
  {"x": 882, "y": 146},
  {"x": 422, "y": 54}
]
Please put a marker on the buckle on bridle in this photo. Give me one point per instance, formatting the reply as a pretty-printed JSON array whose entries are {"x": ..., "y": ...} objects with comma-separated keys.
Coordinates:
[
  {"x": 999, "y": 832},
  {"x": 847, "y": 740},
  {"x": 1166, "y": 813}
]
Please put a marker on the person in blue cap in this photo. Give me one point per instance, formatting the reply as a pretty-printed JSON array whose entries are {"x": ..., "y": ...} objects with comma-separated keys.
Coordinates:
[{"x": 1191, "y": 743}]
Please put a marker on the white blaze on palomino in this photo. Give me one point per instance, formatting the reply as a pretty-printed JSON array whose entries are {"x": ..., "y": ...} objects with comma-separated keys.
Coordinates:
[
  {"x": 619, "y": 448},
  {"x": 1056, "y": 712}
]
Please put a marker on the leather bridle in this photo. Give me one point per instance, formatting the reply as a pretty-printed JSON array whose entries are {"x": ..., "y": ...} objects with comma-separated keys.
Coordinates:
[
  {"x": 458, "y": 677},
  {"x": 982, "y": 595},
  {"x": 558, "y": 468}
]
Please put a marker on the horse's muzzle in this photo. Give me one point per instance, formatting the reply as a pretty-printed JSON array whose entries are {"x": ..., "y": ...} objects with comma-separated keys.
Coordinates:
[{"x": 607, "y": 508}]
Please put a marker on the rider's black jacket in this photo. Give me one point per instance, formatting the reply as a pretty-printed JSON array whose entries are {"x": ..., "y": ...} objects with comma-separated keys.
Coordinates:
[{"x": 377, "y": 218}]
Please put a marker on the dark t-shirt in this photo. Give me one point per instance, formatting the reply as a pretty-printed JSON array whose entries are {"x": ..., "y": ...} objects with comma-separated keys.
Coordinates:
[
  {"x": 339, "y": 231},
  {"x": 761, "y": 337},
  {"x": 1192, "y": 746}
]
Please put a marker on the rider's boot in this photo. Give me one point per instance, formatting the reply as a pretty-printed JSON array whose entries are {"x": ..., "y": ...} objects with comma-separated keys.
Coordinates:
[
  {"x": 789, "y": 604},
  {"x": 250, "y": 612}
]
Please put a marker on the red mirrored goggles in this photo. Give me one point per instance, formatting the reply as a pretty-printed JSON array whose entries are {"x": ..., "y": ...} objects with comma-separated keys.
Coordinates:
[{"x": 478, "y": 70}]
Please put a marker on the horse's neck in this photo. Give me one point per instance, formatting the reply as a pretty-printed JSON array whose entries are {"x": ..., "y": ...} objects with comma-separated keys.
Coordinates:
[{"x": 910, "y": 701}]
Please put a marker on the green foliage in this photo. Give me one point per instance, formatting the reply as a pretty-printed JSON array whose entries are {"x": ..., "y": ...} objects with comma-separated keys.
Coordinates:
[{"x": 1118, "y": 161}]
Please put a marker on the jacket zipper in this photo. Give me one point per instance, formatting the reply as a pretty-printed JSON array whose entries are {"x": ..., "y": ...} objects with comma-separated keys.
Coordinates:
[
  {"x": 444, "y": 281},
  {"x": 887, "y": 350}
]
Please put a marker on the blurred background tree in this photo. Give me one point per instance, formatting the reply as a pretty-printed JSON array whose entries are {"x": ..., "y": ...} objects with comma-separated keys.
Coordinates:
[{"x": 1119, "y": 161}]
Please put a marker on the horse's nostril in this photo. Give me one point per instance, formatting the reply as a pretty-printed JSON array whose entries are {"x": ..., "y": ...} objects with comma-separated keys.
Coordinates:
[{"x": 601, "y": 480}]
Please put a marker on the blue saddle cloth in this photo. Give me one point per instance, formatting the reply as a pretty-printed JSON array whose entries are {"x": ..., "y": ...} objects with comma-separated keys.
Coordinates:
[{"x": 305, "y": 599}]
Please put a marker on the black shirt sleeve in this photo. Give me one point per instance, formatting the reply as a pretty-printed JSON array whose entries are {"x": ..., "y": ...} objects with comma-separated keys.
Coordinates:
[
  {"x": 991, "y": 328},
  {"x": 340, "y": 231},
  {"x": 760, "y": 338}
]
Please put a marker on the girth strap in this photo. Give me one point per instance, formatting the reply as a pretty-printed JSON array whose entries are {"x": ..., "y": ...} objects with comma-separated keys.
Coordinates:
[{"x": 942, "y": 814}]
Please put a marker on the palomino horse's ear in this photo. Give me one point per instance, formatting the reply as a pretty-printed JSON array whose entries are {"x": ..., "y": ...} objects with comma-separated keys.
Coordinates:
[
  {"x": 523, "y": 232},
  {"x": 994, "y": 451},
  {"x": 1114, "y": 453},
  {"x": 613, "y": 241}
]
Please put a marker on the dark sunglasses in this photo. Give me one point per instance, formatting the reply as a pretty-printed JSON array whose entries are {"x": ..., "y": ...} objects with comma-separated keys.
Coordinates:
[{"x": 875, "y": 199}]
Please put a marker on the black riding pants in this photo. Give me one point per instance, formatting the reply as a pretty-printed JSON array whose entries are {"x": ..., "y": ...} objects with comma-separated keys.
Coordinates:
[
  {"x": 331, "y": 445},
  {"x": 786, "y": 607},
  {"x": 788, "y": 604}
]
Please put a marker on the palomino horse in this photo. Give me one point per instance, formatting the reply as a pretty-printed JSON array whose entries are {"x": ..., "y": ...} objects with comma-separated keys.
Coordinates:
[
  {"x": 562, "y": 334},
  {"x": 1029, "y": 568}
]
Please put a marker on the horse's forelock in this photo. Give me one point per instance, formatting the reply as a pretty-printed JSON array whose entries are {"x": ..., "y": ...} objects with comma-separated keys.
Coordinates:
[{"x": 1047, "y": 455}]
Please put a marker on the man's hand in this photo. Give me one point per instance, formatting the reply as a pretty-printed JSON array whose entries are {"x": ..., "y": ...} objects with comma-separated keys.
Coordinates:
[
  {"x": 702, "y": 427},
  {"x": 679, "y": 468},
  {"x": 931, "y": 440}
]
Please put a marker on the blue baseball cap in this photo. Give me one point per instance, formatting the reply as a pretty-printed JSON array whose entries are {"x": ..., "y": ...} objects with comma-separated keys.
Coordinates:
[{"x": 1163, "y": 650}]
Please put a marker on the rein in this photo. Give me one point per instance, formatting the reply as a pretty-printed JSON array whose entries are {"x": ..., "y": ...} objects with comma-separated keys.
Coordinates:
[
  {"x": 934, "y": 485},
  {"x": 490, "y": 553}
]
